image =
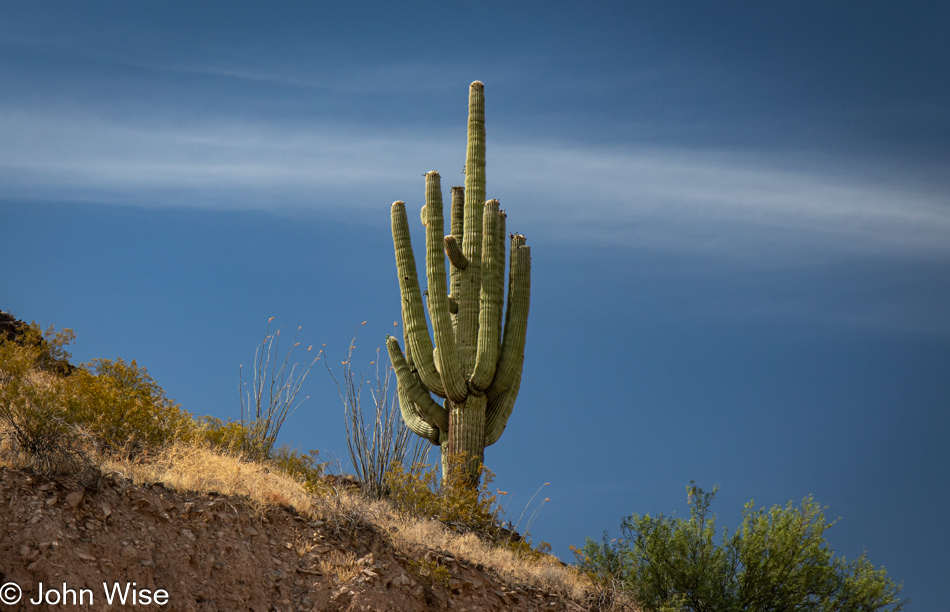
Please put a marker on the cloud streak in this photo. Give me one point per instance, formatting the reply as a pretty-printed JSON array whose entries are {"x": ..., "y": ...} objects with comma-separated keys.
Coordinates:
[{"x": 725, "y": 203}]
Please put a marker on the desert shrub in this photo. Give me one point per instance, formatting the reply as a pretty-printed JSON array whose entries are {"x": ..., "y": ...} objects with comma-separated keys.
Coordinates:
[
  {"x": 231, "y": 438},
  {"x": 36, "y": 429},
  {"x": 123, "y": 408},
  {"x": 111, "y": 404},
  {"x": 58, "y": 423},
  {"x": 524, "y": 548},
  {"x": 377, "y": 438},
  {"x": 273, "y": 395},
  {"x": 420, "y": 493},
  {"x": 46, "y": 349},
  {"x": 430, "y": 571},
  {"x": 305, "y": 467},
  {"x": 226, "y": 436},
  {"x": 775, "y": 560}
]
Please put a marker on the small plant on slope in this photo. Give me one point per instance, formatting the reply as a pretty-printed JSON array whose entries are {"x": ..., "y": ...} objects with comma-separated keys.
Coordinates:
[
  {"x": 385, "y": 441},
  {"x": 419, "y": 493},
  {"x": 273, "y": 396}
]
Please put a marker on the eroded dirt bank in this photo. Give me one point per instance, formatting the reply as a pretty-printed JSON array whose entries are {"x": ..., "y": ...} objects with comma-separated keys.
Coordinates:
[{"x": 212, "y": 552}]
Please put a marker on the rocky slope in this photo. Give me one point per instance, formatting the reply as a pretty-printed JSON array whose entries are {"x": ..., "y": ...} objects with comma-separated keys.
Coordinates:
[{"x": 213, "y": 552}]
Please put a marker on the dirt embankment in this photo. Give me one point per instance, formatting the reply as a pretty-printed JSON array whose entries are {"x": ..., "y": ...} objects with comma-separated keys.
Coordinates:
[{"x": 212, "y": 552}]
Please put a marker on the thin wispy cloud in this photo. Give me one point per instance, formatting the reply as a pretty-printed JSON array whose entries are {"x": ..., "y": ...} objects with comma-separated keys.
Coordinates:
[
  {"x": 670, "y": 199},
  {"x": 726, "y": 202}
]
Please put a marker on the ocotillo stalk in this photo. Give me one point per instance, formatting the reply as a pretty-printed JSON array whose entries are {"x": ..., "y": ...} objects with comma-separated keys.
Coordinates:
[{"x": 476, "y": 359}]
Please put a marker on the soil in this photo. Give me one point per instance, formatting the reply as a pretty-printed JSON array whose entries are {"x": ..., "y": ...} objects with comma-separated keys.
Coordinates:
[{"x": 206, "y": 552}]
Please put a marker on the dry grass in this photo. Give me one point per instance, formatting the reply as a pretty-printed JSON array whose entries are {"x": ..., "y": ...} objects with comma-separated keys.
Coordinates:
[
  {"x": 194, "y": 467},
  {"x": 341, "y": 565},
  {"x": 547, "y": 574}
]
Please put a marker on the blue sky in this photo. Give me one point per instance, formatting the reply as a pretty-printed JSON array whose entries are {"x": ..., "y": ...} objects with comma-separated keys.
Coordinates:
[{"x": 738, "y": 214}]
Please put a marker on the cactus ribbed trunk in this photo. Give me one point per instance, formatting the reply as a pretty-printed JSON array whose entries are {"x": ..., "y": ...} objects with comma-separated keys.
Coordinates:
[{"x": 476, "y": 359}]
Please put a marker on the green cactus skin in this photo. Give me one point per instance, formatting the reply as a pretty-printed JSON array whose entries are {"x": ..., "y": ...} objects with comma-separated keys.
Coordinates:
[{"x": 477, "y": 356}]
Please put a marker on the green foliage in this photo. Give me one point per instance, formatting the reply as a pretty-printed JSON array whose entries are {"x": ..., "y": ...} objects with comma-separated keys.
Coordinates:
[
  {"x": 35, "y": 427},
  {"x": 430, "y": 571},
  {"x": 524, "y": 548},
  {"x": 776, "y": 560},
  {"x": 229, "y": 436},
  {"x": 305, "y": 467},
  {"x": 106, "y": 405},
  {"x": 56, "y": 417},
  {"x": 420, "y": 493},
  {"x": 123, "y": 408},
  {"x": 47, "y": 349}
]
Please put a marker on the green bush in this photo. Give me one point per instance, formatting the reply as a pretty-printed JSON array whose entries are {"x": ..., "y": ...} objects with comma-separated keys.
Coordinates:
[
  {"x": 430, "y": 572},
  {"x": 226, "y": 436},
  {"x": 36, "y": 429},
  {"x": 47, "y": 349},
  {"x": 305, "y": 467},
  {"x": 418, "y": 492},
  {"x": 123, "y": 408},
  {"x": 108, "y": 405},
  {"x": 57, "y": 417},
  {"x": 776, "y": 560}
]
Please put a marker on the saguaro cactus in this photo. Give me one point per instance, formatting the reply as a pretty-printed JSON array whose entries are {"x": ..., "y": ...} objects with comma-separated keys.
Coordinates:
[{"x": 475, "y": 364}]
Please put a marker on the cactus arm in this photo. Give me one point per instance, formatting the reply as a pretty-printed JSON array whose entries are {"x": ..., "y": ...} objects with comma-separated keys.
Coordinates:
[
  {"x": 516, "y": 241},
  {"x": 499, "y": 409},
  {"x": 416, "y": 331},
  {"x": 454, "y": 251},
  {"x": 458, "y": 225},
  {"x": 447, "y": 361},
  {"x": 433, "y": 414},
  {"x": 500, "y": 316},
  {"x": 411, "y": 415},
  {"x": 516, "y": 327},
  {"x": 457, "y": 214},
  {"x": 491, "y": 300},
  {"x": 471, "y": 276}
]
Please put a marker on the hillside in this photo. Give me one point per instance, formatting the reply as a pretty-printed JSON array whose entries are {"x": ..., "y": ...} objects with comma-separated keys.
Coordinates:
[
  {"x": 223, "y": 552},
  {"x": 109, "y": 491},
  {"x": 113, "y": 497}
]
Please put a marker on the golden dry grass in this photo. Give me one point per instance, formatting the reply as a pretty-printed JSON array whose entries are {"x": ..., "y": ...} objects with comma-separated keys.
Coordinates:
[
  {"x": 339, "y": 564},
  {"x": 193, "y": 467}
]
